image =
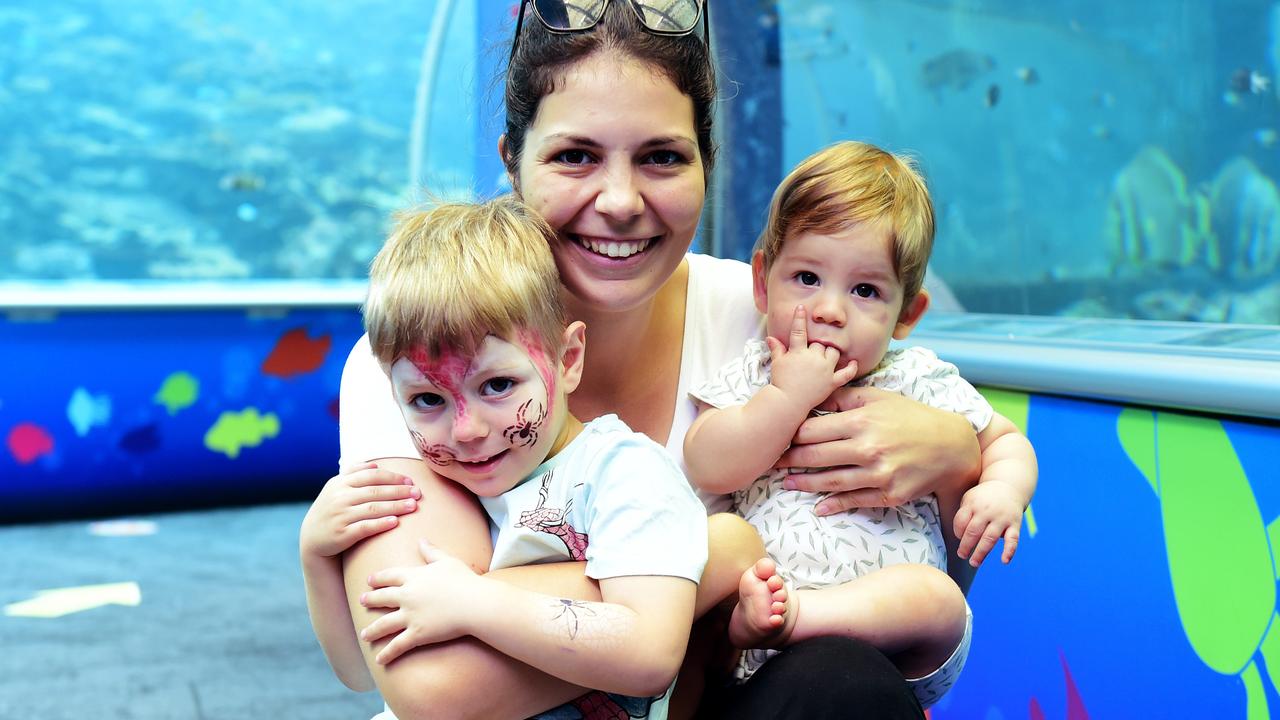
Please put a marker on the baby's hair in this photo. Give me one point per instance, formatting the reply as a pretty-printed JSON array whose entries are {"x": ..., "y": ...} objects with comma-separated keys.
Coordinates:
[
  {"x": 452, "y": 273},
  {"x": 854, "y": 182}
]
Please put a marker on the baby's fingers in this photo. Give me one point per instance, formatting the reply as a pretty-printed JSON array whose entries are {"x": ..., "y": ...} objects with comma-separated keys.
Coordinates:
[
  {"x": 374, "y": 476},
  {"x": 799, "y": 336},
  {"x": 1010, "y": 544},
  {"x": 383, "y": 626},
  {"x": 988, "y": 540}
]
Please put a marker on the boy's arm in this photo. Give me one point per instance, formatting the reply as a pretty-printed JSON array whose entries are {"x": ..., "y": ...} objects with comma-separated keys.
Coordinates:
[
  {"x": 631, "y": 642},
  {"x": 464, "y": 677},
  {"x": 726, "y": 449},
  {"x": 1007, "y": 457},
  {"x": 357, "y": 503}
]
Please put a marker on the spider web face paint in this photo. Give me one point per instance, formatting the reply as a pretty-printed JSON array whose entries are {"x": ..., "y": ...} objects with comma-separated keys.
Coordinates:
[
  {"x": 448, "y": 372},
  {"x": 532, "y": 346}
]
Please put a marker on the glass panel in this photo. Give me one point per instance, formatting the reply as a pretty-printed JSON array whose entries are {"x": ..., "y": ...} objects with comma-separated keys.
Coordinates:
[
  {"x": 1087, "y": 158},
  {"x": 218, "y": 140}
]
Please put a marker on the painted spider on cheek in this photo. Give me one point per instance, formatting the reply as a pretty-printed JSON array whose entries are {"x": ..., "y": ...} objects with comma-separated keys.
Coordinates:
[
  {"x": 525, "y": 432},
  {"x": 436, "y": 454}
]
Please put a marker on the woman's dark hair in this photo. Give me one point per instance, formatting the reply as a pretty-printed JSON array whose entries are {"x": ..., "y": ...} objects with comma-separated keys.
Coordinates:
[{"x": 542, "y": 57}]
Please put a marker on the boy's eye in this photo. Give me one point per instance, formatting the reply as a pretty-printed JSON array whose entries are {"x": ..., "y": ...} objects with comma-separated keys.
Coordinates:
[
  {"x": 807, "y": 278},
  {"x": 864, "y": 290},
  {"x": 497, "y": 386},
  {"x": 427, "y": 401}
]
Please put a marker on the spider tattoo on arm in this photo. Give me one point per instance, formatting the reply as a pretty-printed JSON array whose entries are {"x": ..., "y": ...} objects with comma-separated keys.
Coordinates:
[{"x": 569, "y": 610}]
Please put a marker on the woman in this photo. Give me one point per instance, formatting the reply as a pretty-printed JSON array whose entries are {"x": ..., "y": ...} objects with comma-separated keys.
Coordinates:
[{"x": 608, "y": 137}]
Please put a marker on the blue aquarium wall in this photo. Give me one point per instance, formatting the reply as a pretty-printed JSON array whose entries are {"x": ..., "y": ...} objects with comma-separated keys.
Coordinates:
[{"x": 104, "y": 412}]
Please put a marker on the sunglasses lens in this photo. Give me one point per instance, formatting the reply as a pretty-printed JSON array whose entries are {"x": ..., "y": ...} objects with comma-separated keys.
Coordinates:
[
  {"x": 567, "y": 15},
  {"x": 669, "y": 16}
]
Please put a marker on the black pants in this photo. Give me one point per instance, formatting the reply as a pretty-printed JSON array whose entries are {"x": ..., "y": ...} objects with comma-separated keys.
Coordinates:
[{"x": 829, "y": 677}]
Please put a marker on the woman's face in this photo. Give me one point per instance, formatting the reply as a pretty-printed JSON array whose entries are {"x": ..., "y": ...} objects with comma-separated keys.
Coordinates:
[{"x": 611, "y": 161}]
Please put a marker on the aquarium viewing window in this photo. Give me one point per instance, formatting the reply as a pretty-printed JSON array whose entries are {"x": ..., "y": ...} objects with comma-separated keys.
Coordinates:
[{"x": 1094, "y": 165}]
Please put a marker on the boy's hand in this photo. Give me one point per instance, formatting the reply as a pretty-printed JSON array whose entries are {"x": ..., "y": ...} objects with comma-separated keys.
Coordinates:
[
  {"x": 803, "y": 370},
  {"x": 987, "y": 512},
  {"x": 427, "y": 602},
  {"x": 352, "y": 506}
]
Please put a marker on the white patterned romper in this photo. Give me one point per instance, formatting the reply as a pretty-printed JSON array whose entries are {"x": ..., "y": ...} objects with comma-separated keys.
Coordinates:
[{"x": 817, "y": 552}]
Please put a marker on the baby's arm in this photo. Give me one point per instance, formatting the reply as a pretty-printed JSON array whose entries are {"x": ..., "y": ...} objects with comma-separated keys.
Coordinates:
[
  {"x": 993, "y": 509},
  {"x": 354, "y": 505},
  {"x": 727, "y": 448},
  {"x": 630, "y": 643}
]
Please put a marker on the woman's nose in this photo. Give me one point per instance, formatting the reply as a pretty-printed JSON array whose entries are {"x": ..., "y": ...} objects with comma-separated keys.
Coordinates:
[
  {"x": 620, "y": 197},
  {"x": 467, "y": 427}
]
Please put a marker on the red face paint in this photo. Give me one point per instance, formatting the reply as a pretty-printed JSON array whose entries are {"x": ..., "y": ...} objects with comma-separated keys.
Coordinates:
[
  {"x": 447, "y": 372},
  {"x": 532, "y": 347}
]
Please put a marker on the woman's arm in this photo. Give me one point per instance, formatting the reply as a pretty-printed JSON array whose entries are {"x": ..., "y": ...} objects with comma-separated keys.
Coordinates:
[
  {"x": 464, "y": 677},
  {"x": 883, "y": 449}
]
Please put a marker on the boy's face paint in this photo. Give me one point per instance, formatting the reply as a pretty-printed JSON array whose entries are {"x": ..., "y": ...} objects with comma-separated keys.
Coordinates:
[
  {"x": 533, "y": 347},
  {"x": 485, "y": 421}
]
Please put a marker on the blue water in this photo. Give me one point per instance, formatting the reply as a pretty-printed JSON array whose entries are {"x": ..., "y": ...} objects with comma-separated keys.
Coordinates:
[{"x": 1086, "y": 158}]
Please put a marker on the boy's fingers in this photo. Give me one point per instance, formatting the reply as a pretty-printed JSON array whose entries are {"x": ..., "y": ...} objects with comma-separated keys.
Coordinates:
[
  {"x": 430, "y": 552},
  {"x": 372, "y": 526},
  {"x": 799, "y": 338},
  {"x": 776, "y": 349},
  {"x": 383, "y": 626},
  {"x": 398, "y": 646},
  {"x": 374, "y": 477},
  {"x": 386, "y": 578}
]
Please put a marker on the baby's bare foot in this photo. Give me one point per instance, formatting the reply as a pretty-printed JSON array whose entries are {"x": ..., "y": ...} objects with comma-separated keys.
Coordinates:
[{"x": 763, "y": 616}]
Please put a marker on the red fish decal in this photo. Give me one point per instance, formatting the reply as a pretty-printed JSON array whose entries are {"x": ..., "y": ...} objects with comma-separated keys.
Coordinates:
[
  {"x": 296, "y": 354},
  {"x": 28, "y": 442}
]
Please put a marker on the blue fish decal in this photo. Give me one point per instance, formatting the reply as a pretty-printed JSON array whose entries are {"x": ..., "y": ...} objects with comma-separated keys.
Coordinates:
[
  {"x": 141, "y": 440},
  {"x": 87, "y": 411}
]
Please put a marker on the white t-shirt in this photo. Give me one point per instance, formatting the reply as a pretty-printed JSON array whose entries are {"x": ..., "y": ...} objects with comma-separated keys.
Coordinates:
[
  {"x": 611, "y": 497},
  {"x": 720, "y": 316}
]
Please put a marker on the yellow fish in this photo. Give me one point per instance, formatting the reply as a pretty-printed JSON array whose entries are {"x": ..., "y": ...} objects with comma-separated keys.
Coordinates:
[
  {"x": 236, "y": 430},
  {"x": 178, "y": 392}
]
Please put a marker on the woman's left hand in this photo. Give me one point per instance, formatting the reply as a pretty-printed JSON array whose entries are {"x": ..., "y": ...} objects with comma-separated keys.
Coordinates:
[{"x": 881, "y": 449}]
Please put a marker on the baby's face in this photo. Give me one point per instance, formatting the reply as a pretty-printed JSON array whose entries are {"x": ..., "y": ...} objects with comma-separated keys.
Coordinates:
[
  {"x": 848, "y": 287},
  {"x": 484, "y": 421}
]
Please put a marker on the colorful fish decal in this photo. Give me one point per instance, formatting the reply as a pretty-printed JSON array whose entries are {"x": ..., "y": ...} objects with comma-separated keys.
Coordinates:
[
  {"x": 296, "y": 354},
  {"x": 1225, "y": 590},
  {"x": 236, "y": 430},
  {"x": 29, "y": 442},
  {"x": 178, "y": 392},
  {"x": 87, "y": 411}
]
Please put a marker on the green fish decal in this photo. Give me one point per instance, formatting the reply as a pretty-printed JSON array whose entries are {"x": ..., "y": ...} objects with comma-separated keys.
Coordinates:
[
  {"x": 1224, "y": 581},
  {"x": 178, "y": 392},
  {"x": 236, "y": 430}
]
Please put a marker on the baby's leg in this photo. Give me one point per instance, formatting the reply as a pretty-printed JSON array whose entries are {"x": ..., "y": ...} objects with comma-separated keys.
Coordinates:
[
  {"x": 762, "y": 618},
  {"x": 914, "y": 614}
]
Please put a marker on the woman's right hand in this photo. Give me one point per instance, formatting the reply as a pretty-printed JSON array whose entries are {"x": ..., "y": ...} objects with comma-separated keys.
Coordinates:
[
  {"x": 353, "y": 505},
  {"x": 881, "y": 449}
]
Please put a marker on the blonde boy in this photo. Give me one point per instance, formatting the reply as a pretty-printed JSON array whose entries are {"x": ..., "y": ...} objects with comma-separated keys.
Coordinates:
[
  {"x": 464, "y": 314},
  {"x": 839, "y": 272}
]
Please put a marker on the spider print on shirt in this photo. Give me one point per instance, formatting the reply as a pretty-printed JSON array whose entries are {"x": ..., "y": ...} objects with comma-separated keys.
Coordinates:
[
  {"x": 551, "y": 521},
  {"x": 525, "y": 431}
]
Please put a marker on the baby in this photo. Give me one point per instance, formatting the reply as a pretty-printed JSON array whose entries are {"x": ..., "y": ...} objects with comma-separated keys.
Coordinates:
[{"x": 839, "y": 273}]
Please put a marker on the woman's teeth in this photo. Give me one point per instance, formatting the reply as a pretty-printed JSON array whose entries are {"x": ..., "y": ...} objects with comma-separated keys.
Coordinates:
[{"x": 615, "y": 249}]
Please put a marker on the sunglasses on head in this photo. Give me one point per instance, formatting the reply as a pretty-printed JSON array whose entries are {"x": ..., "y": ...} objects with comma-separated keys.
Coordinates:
[{"x": 660, "y": 17}]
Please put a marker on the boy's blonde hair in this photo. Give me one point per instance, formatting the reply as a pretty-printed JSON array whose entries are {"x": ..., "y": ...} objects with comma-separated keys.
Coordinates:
[
  {"x": 453, "y": 273},
  {"x": 854, "y": 182}
]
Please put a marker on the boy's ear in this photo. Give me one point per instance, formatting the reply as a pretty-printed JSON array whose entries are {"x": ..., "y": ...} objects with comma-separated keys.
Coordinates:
[
  {"x": 573, "y": 356},
  {"x": 911, "y": 315},
  {"x": 760, "y": 282}
]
